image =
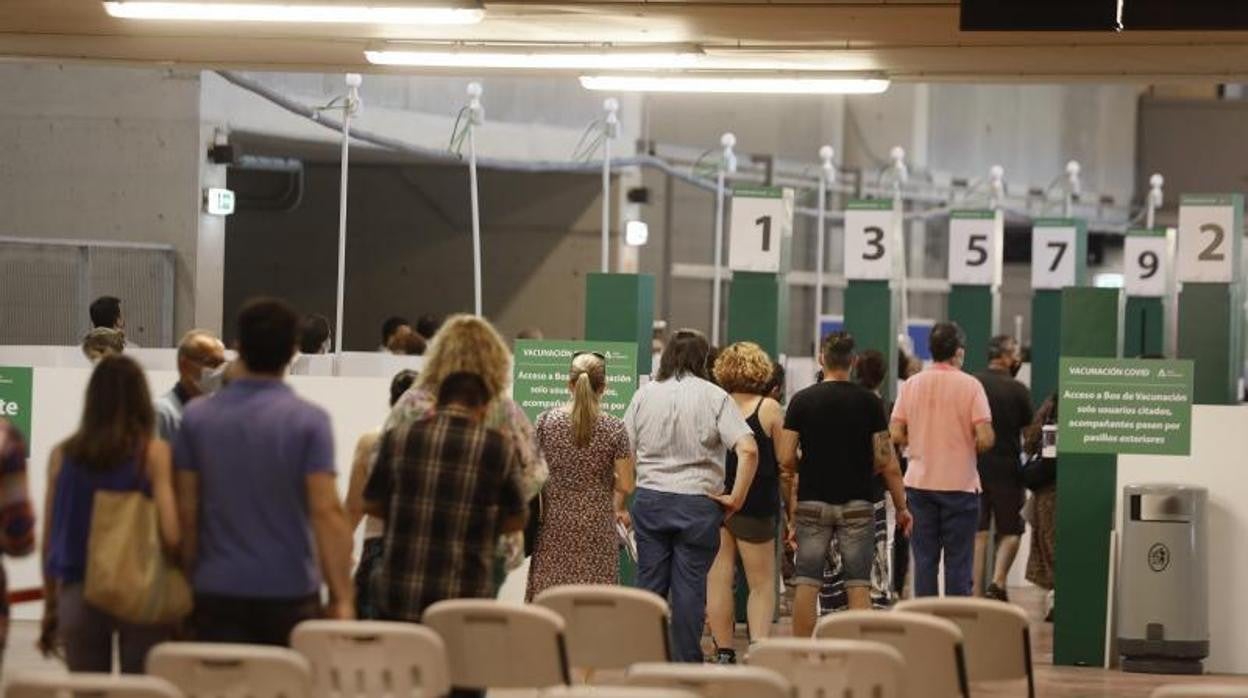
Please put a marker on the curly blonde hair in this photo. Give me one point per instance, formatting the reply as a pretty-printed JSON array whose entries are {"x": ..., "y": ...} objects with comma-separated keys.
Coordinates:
[
  {"x": 471, "y": 344},
  {"x": 743, "y": 367}
]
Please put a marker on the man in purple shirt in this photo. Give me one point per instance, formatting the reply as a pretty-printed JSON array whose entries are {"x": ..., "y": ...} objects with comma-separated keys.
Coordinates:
[{"x": 261, "y": 520}]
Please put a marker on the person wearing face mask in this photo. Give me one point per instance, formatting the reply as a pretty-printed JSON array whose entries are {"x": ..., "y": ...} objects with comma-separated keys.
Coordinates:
[
  {"x": 1000, "y": 469},
  {"x": 201, "y": 356},
  {"x": 942, "y": 415}
]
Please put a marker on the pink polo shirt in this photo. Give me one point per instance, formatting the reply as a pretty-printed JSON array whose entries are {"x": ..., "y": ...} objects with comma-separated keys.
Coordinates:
[{"x": 940, "y": 407}]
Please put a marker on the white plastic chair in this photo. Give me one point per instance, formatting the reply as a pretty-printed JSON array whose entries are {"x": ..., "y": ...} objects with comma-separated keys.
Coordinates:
[
  {"x": 373, "y": 659},
  {"x": 1201, "y": 690},
  {"x": 841, "y": 668},
  {"x": 610, "y": 627},
  {"x": 614, "y": 692},
  {"x": 207, "y": 670},
  {"x": 711, "y": 681},
  {"x": 498, "y": 645},
  {"x": 997, "y": 636},
  {"x": 33, "y": 684},
  {"x": 931, "y": 647}
]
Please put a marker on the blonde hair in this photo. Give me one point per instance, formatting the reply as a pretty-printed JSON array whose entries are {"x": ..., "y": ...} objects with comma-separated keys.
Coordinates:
[
  {"x": 469, "y": 344},
  {"x": 744, "y": 367},
  {"x": 588, "y": 377}
]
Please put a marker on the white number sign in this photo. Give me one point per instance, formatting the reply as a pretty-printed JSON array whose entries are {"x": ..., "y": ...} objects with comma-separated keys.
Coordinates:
[
  {"x": 761, "y": 220},
  {"x": 1207, "y": 237},
  {"x": 870, "y": 235},
  {"x": 1145, "y": 265},
  {"x": 1054, "y": 252},
  {"x": 975, "y": 247}
]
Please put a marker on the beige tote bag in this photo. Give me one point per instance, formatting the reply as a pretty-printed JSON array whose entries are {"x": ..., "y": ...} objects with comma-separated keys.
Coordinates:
[{"x": 128, "y": 575}]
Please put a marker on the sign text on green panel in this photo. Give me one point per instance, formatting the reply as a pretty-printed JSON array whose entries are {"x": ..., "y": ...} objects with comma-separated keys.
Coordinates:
[{"x": 1125, "y": 406}]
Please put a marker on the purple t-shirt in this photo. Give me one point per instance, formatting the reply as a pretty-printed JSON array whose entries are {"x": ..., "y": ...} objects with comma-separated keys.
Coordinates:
[{"x": 253, "y": 445}]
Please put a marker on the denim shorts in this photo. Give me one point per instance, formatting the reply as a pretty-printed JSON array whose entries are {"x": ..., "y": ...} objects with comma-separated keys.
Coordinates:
[{"x": 853, "y": 526}]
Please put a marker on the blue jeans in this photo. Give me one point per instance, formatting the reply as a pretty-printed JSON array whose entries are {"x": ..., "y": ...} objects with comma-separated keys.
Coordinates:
[
  {"x": 677, "y": 540},
  {"x": 944, "y": 523}
]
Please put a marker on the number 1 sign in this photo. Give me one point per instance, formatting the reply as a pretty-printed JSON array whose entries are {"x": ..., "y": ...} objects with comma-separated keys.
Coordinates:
[
  {"x": 870, "y": 236},
  {"x": 761, "y": 223},
  {"x": 975, "y": 247},
  {"x": 1210, "y": 228}
]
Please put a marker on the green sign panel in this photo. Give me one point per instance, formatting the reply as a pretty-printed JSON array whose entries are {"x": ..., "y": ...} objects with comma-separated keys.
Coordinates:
[
  {"x": 541, "y": 374},
  {"x": 16, "y": 384},
  {"x": 1125, "y": 406}
]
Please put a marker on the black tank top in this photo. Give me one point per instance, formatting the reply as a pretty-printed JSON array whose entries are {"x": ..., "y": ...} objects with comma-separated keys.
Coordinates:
[{"x": 763, "y": 499}]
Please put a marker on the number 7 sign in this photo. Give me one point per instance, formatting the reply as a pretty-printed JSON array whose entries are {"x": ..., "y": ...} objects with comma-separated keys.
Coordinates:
[
  {"x": 1058, "y": 253},
  {"x": 759, "y": 227}
]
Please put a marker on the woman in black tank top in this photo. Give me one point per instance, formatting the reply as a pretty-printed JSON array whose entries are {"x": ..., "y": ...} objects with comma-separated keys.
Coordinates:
[{"x": 744, "y": 370}]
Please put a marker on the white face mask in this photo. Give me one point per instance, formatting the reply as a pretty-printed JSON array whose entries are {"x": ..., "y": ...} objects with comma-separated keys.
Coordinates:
[{"x": 211, "y": 379}]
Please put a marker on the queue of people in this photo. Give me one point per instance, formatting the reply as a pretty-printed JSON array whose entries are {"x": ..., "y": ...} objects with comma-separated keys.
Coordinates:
[{"x": 243, "y": 484}]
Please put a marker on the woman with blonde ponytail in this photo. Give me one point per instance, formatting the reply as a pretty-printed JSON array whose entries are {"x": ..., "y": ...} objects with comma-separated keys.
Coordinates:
[{"x": 591, "y": 473}]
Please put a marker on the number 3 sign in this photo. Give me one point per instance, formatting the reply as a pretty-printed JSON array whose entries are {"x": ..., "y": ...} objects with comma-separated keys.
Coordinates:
[
  {"x": 1209, "y": 237},
  {"x": 761, "y": 223},
  {"x": 870, "y": 235},
  {"x": 975, "y": 247}
]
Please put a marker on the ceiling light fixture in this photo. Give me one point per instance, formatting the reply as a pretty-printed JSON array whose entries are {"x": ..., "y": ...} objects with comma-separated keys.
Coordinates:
[
  {"x": 292, "y": 12},
  {"x": 534, "y": 59},
  {"x": 736, "y": 84}
]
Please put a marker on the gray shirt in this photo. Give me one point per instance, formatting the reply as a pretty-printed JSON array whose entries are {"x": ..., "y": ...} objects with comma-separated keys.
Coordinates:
[
  {"x": 169, "y": 413},
  {"x": 681, "y": 429}
]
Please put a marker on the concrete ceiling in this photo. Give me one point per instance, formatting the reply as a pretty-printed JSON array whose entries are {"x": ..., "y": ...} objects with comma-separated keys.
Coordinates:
[{"x": 909, "y": 40}]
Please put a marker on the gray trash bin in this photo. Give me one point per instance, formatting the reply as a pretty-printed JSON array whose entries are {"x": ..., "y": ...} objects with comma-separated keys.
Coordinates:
[{"x": 1163, "y": 580}]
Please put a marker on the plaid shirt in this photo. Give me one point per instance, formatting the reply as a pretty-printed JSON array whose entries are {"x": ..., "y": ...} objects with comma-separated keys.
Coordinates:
[{"x": 446, "y": 483}]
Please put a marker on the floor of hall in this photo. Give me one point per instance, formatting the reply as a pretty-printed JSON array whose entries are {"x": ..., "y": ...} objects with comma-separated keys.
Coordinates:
[{"x": 1051, "y": 681}]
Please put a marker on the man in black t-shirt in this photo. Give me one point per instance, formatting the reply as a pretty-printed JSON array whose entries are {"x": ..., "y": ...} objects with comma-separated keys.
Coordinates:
[
  {"x": 1000, "y": 468},
  {"x": 844, "y": 441}
]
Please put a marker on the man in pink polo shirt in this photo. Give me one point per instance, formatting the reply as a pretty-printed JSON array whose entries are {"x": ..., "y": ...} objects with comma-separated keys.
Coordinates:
[{"x": 942, "y": 415}]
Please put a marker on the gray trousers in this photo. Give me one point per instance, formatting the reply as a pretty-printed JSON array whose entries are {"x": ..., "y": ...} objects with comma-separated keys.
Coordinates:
[{"x": 87, "y": 634}]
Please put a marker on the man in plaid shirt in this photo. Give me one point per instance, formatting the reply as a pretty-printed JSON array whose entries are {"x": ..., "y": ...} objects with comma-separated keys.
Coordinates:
[{"x": 447, "y": 487}]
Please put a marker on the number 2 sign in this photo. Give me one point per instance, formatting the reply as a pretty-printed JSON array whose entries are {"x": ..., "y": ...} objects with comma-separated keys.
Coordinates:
[
  {"x": 761, "y": 223},
  {"x": 975, "y": 247},
  {"x": 1209, "y": 237},
  {"x": 870, "y": 236}
]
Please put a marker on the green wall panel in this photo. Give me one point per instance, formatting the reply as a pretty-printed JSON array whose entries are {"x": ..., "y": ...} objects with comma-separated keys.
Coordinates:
[
  {"x": 871, "y": 317},
  {"x": 1046, "y": 343},
  {"x": 974, "y": 308},
  {"x": 1144, "y": 328},
  {"x": 756, "y": 310},
  {"x": 620, "y": 308},
  {"x": 1086, "y": 490},
  {"x": 1210, "y": 333}
]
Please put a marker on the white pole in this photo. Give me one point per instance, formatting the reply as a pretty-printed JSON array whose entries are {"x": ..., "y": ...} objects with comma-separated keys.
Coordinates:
[
  {"x": 728, "y": 164},
  {"x": 353, "y": 102},
  {"x": 996, "y": 177},
  {"x": 476, "y": 116},
  {"x": 611, "y": 129},
  {"x": 826, "y": 176},
  {"x": 1155, "y": 198},
  {"x": 900, "y": 175},
  {"x": 1072, "y": 187}
]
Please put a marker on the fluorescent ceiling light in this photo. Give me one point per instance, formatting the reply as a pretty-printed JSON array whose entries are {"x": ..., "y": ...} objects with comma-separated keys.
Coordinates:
[
  {"x": 292, "y": 13},
  {"x": 538, "y": 59},
  {"x": 737, "y": 84}
]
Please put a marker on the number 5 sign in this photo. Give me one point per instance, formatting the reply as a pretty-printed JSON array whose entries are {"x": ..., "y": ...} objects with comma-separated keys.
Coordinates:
[
  {"x": 975, "y": 247},
  {"x": 1058, "y": 253},
  {"x": 761, "y": 223},
  {"x": 1210, "y": 228},
  {"x": 870, "y": 235}
]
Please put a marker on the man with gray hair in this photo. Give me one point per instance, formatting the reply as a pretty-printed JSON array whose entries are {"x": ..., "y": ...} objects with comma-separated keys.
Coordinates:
[{"x": 200, "y": 358}]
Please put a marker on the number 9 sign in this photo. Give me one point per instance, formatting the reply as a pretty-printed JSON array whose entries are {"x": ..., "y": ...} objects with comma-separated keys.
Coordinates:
[
  {"x": 870, "y": 230},
  {"x": 975, "y": 247},
  {"x": 1145, "y": 262},
  {"x": 761, "y": 222},
  {"x": 1209, "y": 237}
]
